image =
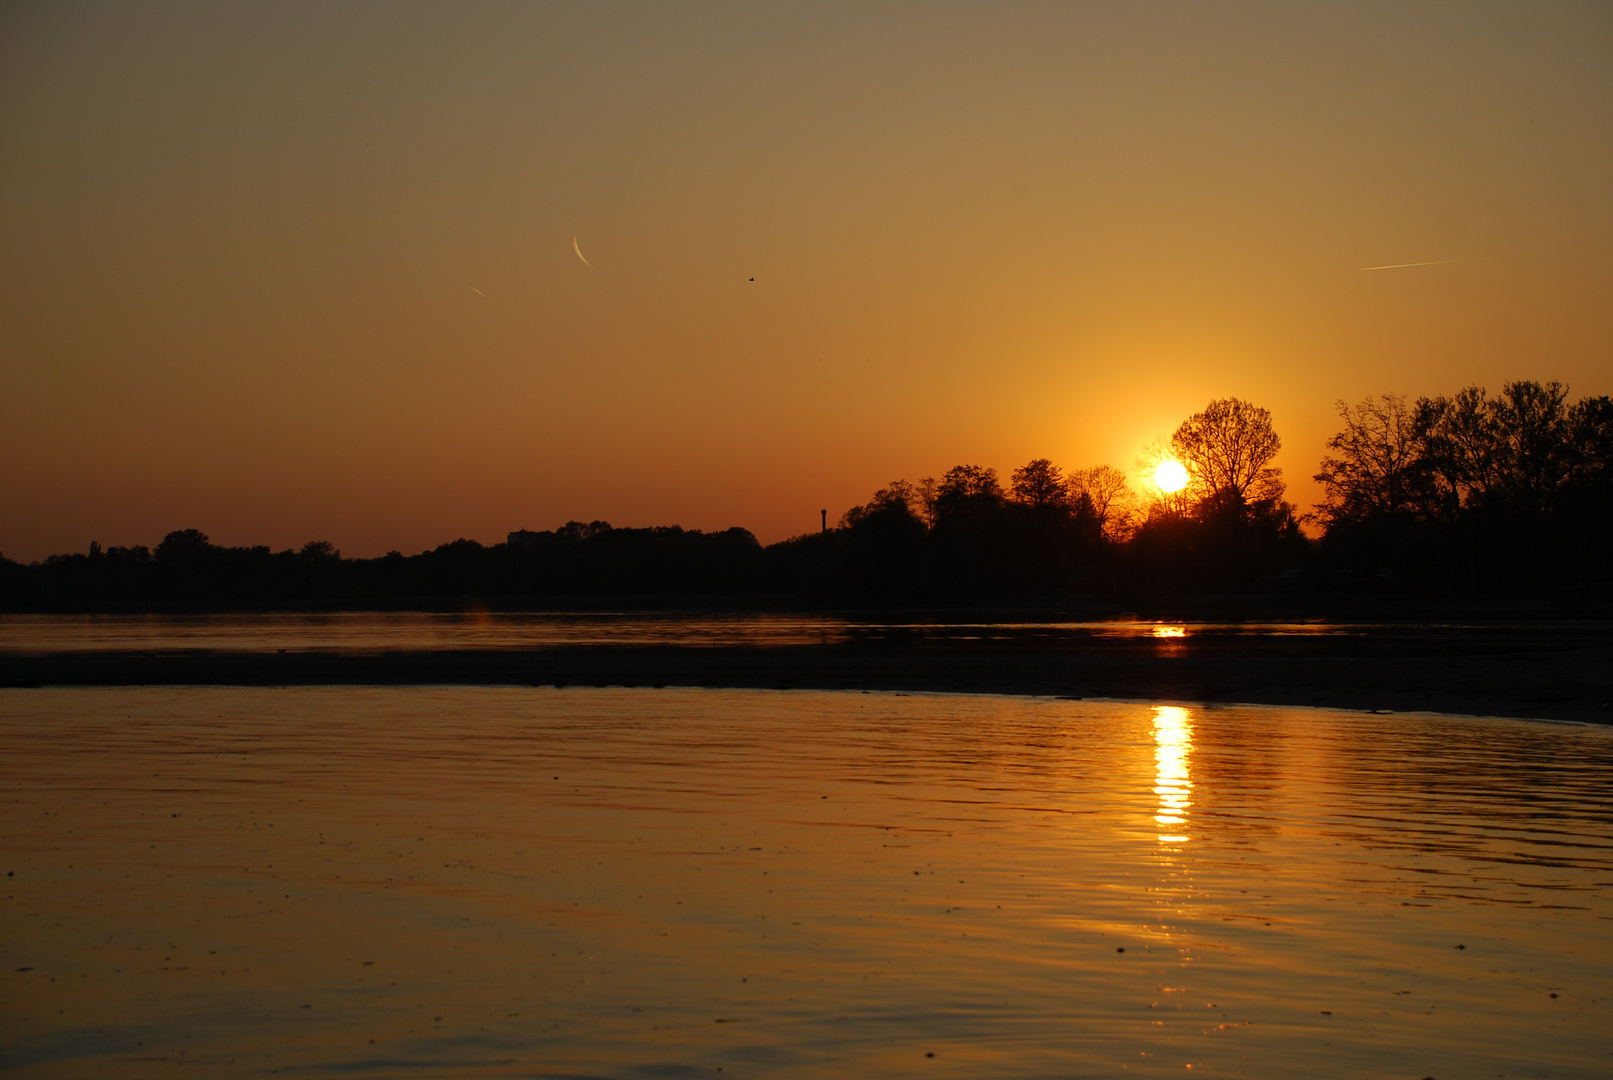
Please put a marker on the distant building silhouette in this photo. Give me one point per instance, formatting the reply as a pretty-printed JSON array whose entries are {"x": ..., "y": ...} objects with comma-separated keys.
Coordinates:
[{"x": 522, "y": 538}]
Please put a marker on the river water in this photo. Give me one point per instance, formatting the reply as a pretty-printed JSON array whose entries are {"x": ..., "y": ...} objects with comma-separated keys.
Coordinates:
[
  {"x": 665, "y": 883},
  {"x": 373, "y": 631}
]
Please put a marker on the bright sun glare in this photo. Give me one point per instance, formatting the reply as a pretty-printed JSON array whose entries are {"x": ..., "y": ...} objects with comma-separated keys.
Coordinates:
[{"x": 1170, "y": 476}]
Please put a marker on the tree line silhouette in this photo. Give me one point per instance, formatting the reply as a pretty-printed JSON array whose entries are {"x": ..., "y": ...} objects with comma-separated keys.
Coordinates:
[{"x": 1465, "y": 494}]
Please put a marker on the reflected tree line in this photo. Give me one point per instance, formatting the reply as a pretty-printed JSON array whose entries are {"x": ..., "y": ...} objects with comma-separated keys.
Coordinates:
[{"x": 1455, "y": 495}]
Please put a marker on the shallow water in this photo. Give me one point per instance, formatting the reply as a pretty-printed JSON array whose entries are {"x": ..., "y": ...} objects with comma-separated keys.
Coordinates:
[
  {"x": 361, "y": 631},
  {"x": 368, "y": 631},
  {"x": 624, "y": 883}
]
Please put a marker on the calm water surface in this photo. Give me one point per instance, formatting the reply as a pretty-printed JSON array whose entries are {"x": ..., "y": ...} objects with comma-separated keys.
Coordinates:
[
  {"x": 638, "y": 883},
  {"x": 424, "y": 630}
]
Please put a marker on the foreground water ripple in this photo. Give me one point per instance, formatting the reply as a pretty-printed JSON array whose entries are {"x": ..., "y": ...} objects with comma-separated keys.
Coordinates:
[{"x": 624, "y": 883}]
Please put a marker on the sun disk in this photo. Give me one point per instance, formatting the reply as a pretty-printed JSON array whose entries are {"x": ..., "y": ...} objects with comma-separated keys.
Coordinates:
[{"x": 1170, "y": 476}]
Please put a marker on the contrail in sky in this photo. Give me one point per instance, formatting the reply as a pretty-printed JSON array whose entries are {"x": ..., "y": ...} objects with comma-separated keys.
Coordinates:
[
  {"x": 1397, "y": 266},
  {"x": 480, "y": 293},
  {"x": 580, "y": 255}
]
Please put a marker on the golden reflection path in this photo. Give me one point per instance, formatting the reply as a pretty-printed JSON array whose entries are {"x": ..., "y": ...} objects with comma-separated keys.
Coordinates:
[
  {"x": 492, "y": 881},
  {"x": 1173, "y": 779}
]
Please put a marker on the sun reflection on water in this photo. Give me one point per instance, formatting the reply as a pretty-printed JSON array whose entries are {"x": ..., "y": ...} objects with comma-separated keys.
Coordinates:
[{"x": 1173, "y": 782}]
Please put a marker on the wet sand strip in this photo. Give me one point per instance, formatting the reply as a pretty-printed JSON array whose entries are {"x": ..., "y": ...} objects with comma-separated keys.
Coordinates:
[{"x": 1551, "y": 675}]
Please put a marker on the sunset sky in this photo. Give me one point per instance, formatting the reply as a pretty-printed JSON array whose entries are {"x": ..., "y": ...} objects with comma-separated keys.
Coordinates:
[{"x": 292, "y": 271}]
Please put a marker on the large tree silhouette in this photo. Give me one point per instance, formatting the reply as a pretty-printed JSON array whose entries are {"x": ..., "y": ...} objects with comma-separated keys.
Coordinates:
[
  {"x": 1510, "y": 453},
  {"x": 1105, "y": 488},
  {"x": 1038, "y": 483},
  {"x": 1228, "y": 449},
  {"x": 1487, "y": 490},
  {"x": 1371, "y": 470}
]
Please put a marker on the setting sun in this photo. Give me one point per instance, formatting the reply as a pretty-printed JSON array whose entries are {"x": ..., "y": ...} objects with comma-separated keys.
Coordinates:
[
  {"x": 940, "y": 395},
  {"x": 1170, "y": 476}
]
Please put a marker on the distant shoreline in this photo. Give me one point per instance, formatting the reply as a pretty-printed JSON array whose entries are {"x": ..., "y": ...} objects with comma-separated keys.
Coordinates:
[
  {"x": 1560, "y": 672},
  {"x": 1583, "y": 600}
]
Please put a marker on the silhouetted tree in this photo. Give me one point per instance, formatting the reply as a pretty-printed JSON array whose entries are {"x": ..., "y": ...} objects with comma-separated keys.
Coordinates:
[
  {"x": 1464, "y": 491},
  {"x": 1229, "y": 528},
  {"x": 1534, "y": 452},
  {"x": 1372, "y": 470},
  {"x": 1513, "y": 452},
  {"x": 1486, "y": 490},
  {"x": 1110, "y": 497},
  {"x": 966, "y": 539},
  {"x": 966, "y": 489},
  {"x": 1585, "y": 507},
  {"x": 1456, "y": 451},
  {"x": 898, "y": 496},
  {"x": 885, "y": 544},
  {"x": 184, "y": 549},
  {"x": 1229, "y": 447},
  {"x": 1051, "y": 529},
  {"x": 1156, "y": 502},
  {"x": 1038, "y": 484},
  {"x": 1592, "y": 434}
]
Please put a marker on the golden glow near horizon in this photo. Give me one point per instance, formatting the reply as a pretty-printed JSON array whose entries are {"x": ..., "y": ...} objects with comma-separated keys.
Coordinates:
[
  {"x": 1173, "y": 781},
  {"x": 287, "y": 272},
  {"x": 1171, "y": 476}
]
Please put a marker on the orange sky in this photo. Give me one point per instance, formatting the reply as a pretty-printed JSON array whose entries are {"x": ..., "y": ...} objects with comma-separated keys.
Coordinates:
[{"x": 240, "y": 246}]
